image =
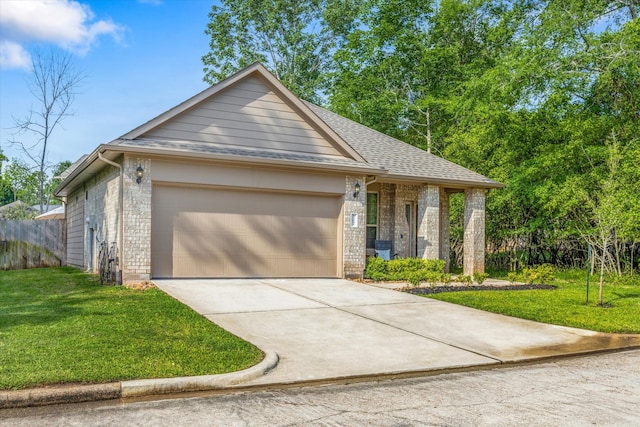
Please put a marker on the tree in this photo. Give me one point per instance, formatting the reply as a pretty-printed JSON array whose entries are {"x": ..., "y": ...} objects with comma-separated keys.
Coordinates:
[
  {"x": 22, "y": 181},
  {"x": 6, "y": 196},
  {"x": 53, "y": 82},
  {"x": 288, "y": 36}
]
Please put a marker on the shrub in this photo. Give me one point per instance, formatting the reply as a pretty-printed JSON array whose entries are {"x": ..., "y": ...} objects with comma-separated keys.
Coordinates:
[
  {"x": 512, "y": 276},
  {"x": 445, "y": 278},
  {"x": 414, "y": 270},
  {"x": 424, "y": 275},
  {"x": 479, "y": 278},
  {"x": 464, "y": 279},
  {"x": 541, "y": 274},
  {"x": 376, "y": 269}
]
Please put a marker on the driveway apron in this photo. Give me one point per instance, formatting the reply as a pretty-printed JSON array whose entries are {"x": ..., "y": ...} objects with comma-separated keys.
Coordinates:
[{"x": 330, "y": 328}]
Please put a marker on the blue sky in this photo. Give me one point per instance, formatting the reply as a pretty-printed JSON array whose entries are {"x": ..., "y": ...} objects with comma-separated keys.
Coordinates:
[{"x": 140, "y": 58}]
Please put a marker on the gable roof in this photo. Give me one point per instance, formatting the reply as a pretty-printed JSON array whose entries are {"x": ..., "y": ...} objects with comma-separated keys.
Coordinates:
[
  {"x": 260, "y": 71},
  {"x": 360, "y": 149}
]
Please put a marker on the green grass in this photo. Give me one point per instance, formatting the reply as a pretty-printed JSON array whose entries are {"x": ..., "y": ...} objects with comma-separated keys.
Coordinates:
[
  {"x": 562, "y": 306},
  {"x": 58, "y": 325}
]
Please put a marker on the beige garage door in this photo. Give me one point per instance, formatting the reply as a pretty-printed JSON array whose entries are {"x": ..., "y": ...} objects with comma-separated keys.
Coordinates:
[{"x": 204, "y": 232}]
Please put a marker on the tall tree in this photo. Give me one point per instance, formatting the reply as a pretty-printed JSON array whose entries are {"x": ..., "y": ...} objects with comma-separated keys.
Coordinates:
[
  {"x": 288, "y": 36},
  {"x": 54, "y": 82},
  {"x": 6, "y": 195}
]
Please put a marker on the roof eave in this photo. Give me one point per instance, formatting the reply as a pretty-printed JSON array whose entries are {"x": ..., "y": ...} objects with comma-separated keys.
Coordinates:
[
  {"x": 230, "y": 158},
  {"x": 453, "y": 183},
  {"x": 233, "y": 158}
]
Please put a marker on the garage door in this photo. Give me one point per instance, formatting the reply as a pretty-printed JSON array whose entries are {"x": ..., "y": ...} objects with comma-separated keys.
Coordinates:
[{"x": 204, "y": 232}]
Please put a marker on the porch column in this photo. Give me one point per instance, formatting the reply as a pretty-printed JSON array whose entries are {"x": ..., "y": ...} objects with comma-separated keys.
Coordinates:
[
  {"x": 429, "y": 222},
  {"x": 474, "y": 230},
  {"x": 445, "y": 244}
]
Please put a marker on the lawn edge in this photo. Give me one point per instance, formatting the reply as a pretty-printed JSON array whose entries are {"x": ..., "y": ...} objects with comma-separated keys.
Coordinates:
[{"x": 53, "y": 395}]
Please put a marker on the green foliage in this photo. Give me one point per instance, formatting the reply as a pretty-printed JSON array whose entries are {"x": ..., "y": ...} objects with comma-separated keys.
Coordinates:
[
  {"x": 292, "y": 38},
  {"x": 413, "y": 270},
  {"x": 464, "y": 279},
  {"x": 376, "y": 269},
  {"x": 479, "y": 278},
  {"x": 512, "y": 276},
  {"x": 541, "y": 274}
]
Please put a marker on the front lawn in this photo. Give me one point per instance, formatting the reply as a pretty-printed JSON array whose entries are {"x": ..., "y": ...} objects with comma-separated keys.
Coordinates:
[
  {"x": 58, "y": 325},
  {"x": 562, "y": 306}
]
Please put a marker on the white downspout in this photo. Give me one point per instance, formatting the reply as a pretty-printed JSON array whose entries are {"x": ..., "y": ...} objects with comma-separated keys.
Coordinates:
[
  {"x": 367, "y": 183},
  {"x": 120, "y": 209}
]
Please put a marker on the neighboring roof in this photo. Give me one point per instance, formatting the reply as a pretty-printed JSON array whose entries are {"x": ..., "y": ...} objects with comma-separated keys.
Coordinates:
[
  {"x": 18, "y": 204},
  {"x": 56, "y": 213},
  {"x": 400, "y": 159},
  {"x": 364, "y": 150}
]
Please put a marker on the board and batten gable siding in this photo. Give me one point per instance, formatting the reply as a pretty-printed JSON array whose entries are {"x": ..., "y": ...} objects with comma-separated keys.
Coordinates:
[
  {"x": 247, "y": 115},
  {"x": 75, "y": 229}
]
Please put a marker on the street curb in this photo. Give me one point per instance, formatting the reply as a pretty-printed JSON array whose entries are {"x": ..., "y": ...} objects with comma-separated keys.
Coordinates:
[{"x": 135, "y": 388}]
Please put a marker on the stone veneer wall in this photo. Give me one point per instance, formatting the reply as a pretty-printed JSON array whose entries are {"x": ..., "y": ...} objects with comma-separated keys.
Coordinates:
[
  {"x": 101, "y": 203},
  {"x": 474, "y": 229},
  {"x": 386, "y": 211},
  {"x": 401, "y": 233},
  {"x": 354, "y": 241},
  {"x": 136, "y": 259},
  {"x": 429, "y": 222}
]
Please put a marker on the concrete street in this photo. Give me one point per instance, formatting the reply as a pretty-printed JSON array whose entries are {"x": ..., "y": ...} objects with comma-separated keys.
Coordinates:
[{"x": 601, "y": 390}]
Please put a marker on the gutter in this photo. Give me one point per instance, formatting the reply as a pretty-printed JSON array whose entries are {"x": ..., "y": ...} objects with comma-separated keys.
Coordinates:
[{"x": 120, "y": 210}]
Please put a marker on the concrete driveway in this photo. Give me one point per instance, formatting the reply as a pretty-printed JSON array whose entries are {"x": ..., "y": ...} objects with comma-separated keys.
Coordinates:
[{"x": 328, "y": 328}]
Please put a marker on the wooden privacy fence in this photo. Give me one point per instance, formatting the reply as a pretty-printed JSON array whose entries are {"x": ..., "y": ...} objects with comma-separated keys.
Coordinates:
[{"x": 32, "y": 243}]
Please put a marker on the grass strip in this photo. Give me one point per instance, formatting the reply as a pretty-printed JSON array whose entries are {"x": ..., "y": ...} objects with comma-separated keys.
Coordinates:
[
  {"x": 563, "y": 306},
  {"x": 58, "y": 325}
]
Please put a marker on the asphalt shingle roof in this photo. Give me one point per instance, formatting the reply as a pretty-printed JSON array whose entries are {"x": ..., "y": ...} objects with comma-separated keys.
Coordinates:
[
  {"x": 399, "y": 158},
  {"x": 219, "y": 149}
]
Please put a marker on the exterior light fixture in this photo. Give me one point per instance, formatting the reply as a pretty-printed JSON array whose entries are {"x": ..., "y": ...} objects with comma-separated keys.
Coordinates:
[
  {"x": 355, "y": 193},
  {"x": 139, "y": 174}
]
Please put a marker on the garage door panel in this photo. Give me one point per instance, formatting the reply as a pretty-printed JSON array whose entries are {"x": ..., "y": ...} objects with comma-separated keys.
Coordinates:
[{"x": 200, "y": 232}]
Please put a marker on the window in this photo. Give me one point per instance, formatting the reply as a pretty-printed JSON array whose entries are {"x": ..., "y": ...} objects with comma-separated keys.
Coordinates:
[{"x": 372, "y": 219}]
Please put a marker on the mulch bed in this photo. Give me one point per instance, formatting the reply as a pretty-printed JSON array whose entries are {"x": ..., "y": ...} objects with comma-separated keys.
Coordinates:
[{"x": 440, "y": 289}]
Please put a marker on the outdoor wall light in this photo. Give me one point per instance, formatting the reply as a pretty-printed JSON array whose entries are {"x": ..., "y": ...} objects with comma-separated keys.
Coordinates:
[
  {"x": 355, "y": 193},
  {"x": 139, "y": 174}
]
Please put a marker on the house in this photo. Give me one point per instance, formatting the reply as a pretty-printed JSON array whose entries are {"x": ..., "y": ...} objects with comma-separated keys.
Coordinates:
[{"x": 247, "y": 180}]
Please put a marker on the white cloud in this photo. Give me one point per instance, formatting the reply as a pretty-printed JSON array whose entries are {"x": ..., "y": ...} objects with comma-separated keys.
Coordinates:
[
  {"x": 12, "y": 55},
  {"x": 66, "y": 23}
]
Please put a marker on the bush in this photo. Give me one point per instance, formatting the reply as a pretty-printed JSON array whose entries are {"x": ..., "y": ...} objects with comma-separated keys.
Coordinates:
[
  {"x": 414, "y": 270},
  {"x": 464, "y": 279},
  {"x": 541, "y": 274},
  {"x": 512, "y": 276},
  {"x": 376, "y": 269},
  {"x": 479, "y": 278}
]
